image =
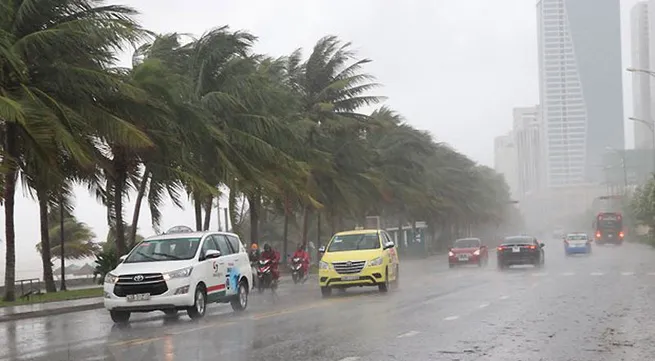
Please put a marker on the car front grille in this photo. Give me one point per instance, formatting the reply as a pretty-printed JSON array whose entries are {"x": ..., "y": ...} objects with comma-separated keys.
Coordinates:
[
  {"x": 349, "y": 267},
  {"x": 152, "y": 283}
]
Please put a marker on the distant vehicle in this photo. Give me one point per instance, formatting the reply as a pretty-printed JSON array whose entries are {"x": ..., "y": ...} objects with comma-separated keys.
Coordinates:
[
  {"x": 364, "y": 257},
  {"x": 608, "y": 228},
  {"x": 520, "y": 250},
  {"x": 180, "y": 270},
  {"x": 577, "y": 243},
  {"x": 468, "y": 251},
  {"x": 558, "y": 232}
]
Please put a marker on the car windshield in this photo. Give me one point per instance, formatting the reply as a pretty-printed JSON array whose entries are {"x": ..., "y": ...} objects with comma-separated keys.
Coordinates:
[
  {"x": 353, "y": 242},
  {"x": 517, "y": 240},
  {"x": 173, "y": 249},
  {"x": 467, "y": 243},
  {"x": 577, "y": 237}
]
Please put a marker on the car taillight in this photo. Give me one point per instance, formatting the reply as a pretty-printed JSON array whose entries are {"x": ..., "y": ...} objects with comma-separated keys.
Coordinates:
[
  {"x": 500, "y": 248},
  {"x": 450, "y": 253},
  {"x": 621, "y": 234},
  {"x": 597, "y": 234},
  {"x": 532, "y": 247}
]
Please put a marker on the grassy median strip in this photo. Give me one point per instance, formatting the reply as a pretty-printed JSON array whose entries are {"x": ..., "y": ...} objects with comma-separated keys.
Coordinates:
[{"x": 56, "y": 296}]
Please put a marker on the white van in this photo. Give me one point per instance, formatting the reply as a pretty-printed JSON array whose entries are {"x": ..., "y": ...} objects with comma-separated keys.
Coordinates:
[{"x": 179, "y": 271}]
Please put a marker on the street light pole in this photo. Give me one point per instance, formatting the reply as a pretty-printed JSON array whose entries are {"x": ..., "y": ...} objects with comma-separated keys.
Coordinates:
[
  {"x": 651, "y": 125},
  {"x": 625, "y": 172}
]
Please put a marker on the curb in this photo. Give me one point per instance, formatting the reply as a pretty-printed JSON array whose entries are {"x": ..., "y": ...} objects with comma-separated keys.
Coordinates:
[{"x": 50, "y": 312}]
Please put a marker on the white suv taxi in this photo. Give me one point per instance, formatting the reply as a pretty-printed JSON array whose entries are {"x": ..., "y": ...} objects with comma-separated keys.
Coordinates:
[{"x": 180, "y": 270}]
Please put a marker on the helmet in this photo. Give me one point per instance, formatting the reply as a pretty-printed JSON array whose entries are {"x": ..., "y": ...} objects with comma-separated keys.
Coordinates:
[
  {"x": 254, "y": 246},
  {"x": 267, "y": 247}
]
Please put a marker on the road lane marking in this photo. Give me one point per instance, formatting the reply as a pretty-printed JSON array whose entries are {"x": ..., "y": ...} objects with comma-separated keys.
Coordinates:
[
  {"x": 504, "y": 297},
  {"x": 451, "y": 318},
  {"x": 408, "y": 334},
  {"x": 540, "y": 274},
  {"x": 596, "y": 274},
  {"x": 483, "y": 305},
  {"x": 222, "y": 323},
  {"x": 568, "y": 274},
  {"x": 350, "y": 358},
  {"x": 627, "y": 273},
  {"x": 651, "y": 273}
]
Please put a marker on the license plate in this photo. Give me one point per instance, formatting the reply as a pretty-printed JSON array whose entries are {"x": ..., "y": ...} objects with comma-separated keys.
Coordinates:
[
  {"x": 463, "y": 257},
  {"x": 610, "y": 236},
  {"x": 138, "y": 297},
  {"x": 349, "y": 278},
  {"x": 516, "y": 249}
]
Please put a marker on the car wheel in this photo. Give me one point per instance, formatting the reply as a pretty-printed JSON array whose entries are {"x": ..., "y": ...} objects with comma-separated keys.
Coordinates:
[
  {"x": 501, "y": 266},
  {"x": 384, "y": 287},
  {"x": 199, "y": 307},
  {"x": 451, "y": 265},
  {"x": 120, "y": 317},
  {"x": 326, "y": 292},
  {"x": 240, "y": 301}
]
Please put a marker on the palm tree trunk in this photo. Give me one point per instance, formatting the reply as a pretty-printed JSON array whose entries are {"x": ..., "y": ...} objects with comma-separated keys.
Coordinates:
[
  {"x": 232, "y": 205},
  {"x": 11, "y": 150},
  {"x": 318, "y": 229},
  {"x": 197, "y": 206},
  {"x": 208, "y": 213},
  {"x": 62, "y": 256},
  {"x": 137, "y": 206},
  {"x": 46, "y": 256},
  {"x": 305, "y": 225},
  {"x": 121, "y": 248},
  {"x": 253, "y": 209}
]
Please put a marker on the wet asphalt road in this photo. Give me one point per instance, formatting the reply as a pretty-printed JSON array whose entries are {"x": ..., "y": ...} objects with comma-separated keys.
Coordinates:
[{"x": 580, "y": 308}]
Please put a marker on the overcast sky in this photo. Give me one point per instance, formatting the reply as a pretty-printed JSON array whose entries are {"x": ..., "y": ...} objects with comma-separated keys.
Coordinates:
[{"x": 455, "y": 68}]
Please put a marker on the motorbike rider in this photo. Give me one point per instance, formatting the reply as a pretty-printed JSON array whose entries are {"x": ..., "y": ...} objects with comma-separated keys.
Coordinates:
[
  {"x": 272, "y": 255},
  {"x": 254, "y": 253},
  {"x": 304, "y": 258}
]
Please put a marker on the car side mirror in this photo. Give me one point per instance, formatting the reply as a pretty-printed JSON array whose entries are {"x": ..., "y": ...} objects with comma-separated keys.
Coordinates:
[
  {"x": 389, "y": 245},
  {"x": 122, "y": 258},
  {"x": 542, "y": 245},
  {"x": 321, "y": 249},
  {"x": 212, "y": 253}
]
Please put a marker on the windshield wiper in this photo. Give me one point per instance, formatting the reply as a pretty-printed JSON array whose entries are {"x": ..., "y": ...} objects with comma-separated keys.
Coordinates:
[{"x": 170, "y": 256}]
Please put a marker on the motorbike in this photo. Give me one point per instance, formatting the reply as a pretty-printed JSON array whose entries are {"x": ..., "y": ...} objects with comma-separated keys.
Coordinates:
[
  {"x": 265, "y": 275},
  {"x": 297, "y": 272}
]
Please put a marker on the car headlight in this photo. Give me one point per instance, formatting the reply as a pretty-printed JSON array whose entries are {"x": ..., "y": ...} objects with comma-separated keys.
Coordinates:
[
  {"x": 323, "y": 265},
  {"x": 477, "y": 252},
  {"x": 451, "y": 254},
  {"x": 181, "y": 273},
  {"x": 375, "y": 261},
  {"x": 110, "y": 278}
]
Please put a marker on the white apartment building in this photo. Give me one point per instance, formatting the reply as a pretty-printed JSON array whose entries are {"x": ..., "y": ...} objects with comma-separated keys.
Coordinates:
[
  {"x": 641, "y": 82},
  {"x": 580, "y": 87},
  {"x": 506, "y": 162},
  {"x": 527, "y": 138}
]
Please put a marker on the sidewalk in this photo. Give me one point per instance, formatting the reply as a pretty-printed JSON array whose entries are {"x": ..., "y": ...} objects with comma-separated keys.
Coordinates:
[{"x": 12, "y": 313}]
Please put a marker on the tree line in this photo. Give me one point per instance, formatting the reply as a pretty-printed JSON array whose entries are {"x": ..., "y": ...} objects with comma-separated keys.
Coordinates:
[{"x": 285, "y": 134}]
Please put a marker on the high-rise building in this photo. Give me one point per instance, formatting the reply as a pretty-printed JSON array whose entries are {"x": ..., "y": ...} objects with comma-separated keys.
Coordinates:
[
  {"x": 527, "y": 138},
  {"x": 641, "y": 81},
  {"x": 580, "y": 87},
  {"x": 505, "y": 161}
]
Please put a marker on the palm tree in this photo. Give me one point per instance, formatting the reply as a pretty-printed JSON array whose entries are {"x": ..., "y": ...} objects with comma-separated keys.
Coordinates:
[
  {"x": 54, "y": 54},
  {"x": 331, "y": 88},
  {"x": 78, "y": 238}
]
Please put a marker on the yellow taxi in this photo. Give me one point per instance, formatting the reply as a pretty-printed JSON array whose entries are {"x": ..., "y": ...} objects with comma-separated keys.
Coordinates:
[{"x": 365, "y": 257}]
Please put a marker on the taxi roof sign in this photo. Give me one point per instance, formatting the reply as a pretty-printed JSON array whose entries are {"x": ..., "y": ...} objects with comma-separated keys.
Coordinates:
[{"x": 179, "y": 229}]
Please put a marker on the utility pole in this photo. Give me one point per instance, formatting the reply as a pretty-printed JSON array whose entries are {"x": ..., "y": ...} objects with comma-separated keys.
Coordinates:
[{"x": 61, "y": 244}]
